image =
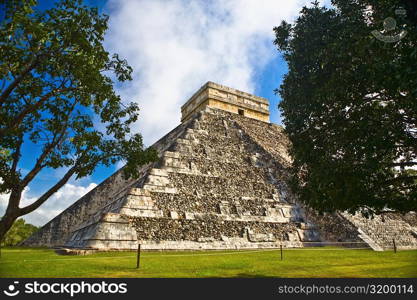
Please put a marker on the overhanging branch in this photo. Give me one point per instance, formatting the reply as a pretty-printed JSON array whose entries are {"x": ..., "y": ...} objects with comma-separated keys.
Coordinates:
[{"x": 27, "y": 209}]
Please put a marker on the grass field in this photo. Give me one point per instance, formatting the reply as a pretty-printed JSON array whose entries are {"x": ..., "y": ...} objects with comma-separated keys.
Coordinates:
[{"x": 315, "y": 262}]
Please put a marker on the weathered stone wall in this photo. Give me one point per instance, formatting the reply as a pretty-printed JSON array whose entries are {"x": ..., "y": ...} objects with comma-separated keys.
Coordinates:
[
  {"x": 334, "y": 227},
  {"x": 209, "y": 228}
]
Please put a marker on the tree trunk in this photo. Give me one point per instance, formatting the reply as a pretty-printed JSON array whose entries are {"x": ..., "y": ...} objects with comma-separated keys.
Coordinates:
[
  {"x": 6, "y": 223},
  {"x": 12, "y": 212}
]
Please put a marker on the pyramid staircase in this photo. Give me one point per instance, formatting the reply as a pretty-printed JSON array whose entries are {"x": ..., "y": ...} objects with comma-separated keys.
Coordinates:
[{"x": 382, "y": 231}]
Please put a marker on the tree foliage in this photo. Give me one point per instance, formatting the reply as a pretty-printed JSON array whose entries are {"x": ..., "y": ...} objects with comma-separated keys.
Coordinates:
[
  {"x": 19, "y": 231},
  {"x": 349, "y": 104},
  {"x": 56, "y": 94}
]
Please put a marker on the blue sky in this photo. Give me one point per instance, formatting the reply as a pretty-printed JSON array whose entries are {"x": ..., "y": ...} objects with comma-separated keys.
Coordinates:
[{"x": 175, "y": 47}]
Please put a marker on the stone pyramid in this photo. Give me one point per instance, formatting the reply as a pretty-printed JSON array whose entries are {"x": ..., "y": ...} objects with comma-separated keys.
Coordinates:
[{"x": 220, "y": 183}]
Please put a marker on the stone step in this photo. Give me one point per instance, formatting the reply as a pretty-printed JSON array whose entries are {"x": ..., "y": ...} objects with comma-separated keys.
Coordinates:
[
  {"x": 182, "y": 145},
  {"x": 241, "y": 218},
  {"x": 160, "y": 189},
  {"x": 158, "y": 172},
  {"x": 367, "y": 239},
  {"x": 190, "y": 135},
  {"x": 139, "y": 192},
  {"x": 171, "y": 160},
  {"x": 199, "y": 132},
  {"x": 138, "y": 212},
  {"x": 157, "y": 180},
  {"x": 139, "y": 202}
]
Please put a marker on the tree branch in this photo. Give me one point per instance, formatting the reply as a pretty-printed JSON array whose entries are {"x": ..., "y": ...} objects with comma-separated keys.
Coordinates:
[
  {"x": 16, "y": 154},
  {"x": 49, "y": 193},
  {"x": 38, "y": 165},
  {"x": 47, "y": 150},
  {"x": 32, "y": 64},
  {"x": 29, "y": 109}
]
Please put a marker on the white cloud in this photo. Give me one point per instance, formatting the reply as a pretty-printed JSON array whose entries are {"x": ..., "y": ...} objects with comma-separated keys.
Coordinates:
[
  {"x": 176, "y": 46},
  {"x": 63, "y": 198}
]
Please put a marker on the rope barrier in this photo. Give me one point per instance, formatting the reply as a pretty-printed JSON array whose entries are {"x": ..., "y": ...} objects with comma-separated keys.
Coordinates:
[{"x": 80, "y": 258}]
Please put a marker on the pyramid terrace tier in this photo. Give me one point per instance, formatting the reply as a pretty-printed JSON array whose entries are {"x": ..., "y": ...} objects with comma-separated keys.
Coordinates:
[{"x": 204, "y": 231}]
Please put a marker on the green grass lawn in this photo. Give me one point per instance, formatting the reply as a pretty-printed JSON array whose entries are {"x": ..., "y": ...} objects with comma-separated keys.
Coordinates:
[{"x": 315, "y": 262}]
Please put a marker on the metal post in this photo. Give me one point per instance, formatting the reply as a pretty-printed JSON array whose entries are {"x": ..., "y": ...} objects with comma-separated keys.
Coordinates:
[
  {"x": 395, "y": 246},
  {"x": 138, "y": 257},
  {"x": 280, "y": 247}
]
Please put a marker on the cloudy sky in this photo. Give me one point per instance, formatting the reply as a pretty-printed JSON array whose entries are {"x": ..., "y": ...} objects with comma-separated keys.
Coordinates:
[{"x": 175, "y": 47}]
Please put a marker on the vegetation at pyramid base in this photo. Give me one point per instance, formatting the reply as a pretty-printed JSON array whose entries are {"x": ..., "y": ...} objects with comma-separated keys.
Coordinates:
[
  {"x": 57, "y": 96},
  {"x": 19, "y": 231},
  {"x": 349, "y": 104}
]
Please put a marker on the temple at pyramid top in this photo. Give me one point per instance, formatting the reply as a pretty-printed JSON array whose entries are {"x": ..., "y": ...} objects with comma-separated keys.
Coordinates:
[{"x": 225, "y": 98}]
